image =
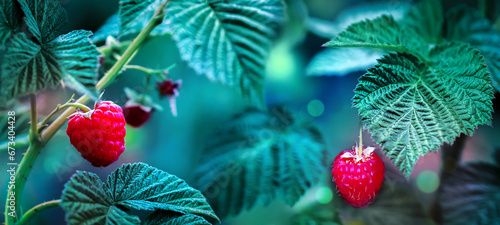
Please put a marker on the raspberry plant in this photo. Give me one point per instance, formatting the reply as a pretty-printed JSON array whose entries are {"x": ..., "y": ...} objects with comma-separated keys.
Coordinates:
[{"x": 433, "y": 76}]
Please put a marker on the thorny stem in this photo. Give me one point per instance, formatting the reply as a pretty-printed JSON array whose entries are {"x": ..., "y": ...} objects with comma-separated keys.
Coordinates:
[
  {"x": 59, "y": 107},
  {"x": 37, "y": 141},
  {"x": 35, "y": 210},
  {"x": 15, "y": 190}
]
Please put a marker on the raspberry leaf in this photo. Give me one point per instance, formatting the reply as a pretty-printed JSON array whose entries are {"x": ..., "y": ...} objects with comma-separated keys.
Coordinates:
[
  {"x": 169, "y": 218},
  {"x": 413, "y": 107},
  {"x": 426, "y": 18},
  {"x": 30, "y": 67},
  {"x": 468, "y": 25},
  {"x": 342, "y": 61},
  {"x": 383, "y": 33},
  {"x": 257, "y": 158},
  {"x": 10, "y": 19},
  {"x": 470, "y": 195},
  {"x": 44, "y": 18},
  {"x": 227, "y": 41},
  {"x": 86, "y": 199}
]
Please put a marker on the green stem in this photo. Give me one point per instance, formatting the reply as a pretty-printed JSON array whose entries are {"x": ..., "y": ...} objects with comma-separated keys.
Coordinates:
[
  {"x": 35, "y": 210},
  {"x": 15, "y": 191},
  {"x": 68, "y": 104},
  {"x": 37, "y": 142},
  {"x": 111, "y": 74},
  {"x": 146, "y": 89}
]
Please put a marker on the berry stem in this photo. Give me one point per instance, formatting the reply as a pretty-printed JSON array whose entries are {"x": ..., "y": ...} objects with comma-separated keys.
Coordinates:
[
  {"x": 146, "y": 88},
  {"x": 359, "y": 150},
  {"x": 37, "y": 209},
  {"x": 59, "y": 107},
  {"x": 37, "y": 141}
]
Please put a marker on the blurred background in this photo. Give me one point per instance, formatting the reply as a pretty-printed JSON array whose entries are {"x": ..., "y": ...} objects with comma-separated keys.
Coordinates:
[{"x": 175, "y": 144}]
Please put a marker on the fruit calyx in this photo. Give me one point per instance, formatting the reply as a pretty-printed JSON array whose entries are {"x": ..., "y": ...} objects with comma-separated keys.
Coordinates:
[{"x": 358, "y": 157}]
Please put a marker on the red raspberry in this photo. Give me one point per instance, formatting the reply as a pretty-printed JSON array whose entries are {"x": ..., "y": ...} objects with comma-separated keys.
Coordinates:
[
  {"x": 99, "y": 135},
  {"x": 137, "y": 115},
  {"x": 358, "y": 179}
]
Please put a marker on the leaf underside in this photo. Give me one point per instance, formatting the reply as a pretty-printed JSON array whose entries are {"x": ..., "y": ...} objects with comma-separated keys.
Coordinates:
[
  {"x": 227, "y": 41},
  {"x": 257, "y": 158},
  {"x": 169, "y": 218},
  {"x": 412, "y": 107},
  {"x": 87, "y": 200}
]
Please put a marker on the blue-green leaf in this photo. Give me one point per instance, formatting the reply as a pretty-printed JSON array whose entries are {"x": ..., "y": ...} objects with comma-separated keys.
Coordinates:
[
  {"x": 87, "y": 200},
  {"x": 136, "y": 13},
  {"x": 466, "y": 24},
  {"x": 27, "y": 67},
  {"x": 426, "y": 18},
  {"x": 355, "y": 14},
  {"x": 169, "y": 218},
  {"x": 413, "y": 107},
  {"x": 342, "y": 61},
  {"x": 44, "y": 18},
  {"x": 10, "y": 19},
  {"x": 317, "y": 214},
  {"x": 384, "y": 33},
  {"x": 79, "y": 59},
  {"x": 256, "y": 158},
  {"x": 470, "y": 195},
  {"x": 227, "y": 41},
  {"x": 30, "y": 67}
]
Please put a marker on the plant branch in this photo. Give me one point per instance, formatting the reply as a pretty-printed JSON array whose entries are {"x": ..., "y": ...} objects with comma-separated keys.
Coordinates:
[
  {"x": 37, "y": 142},
  {"x": 59, "y": 107},
  {"x": 112, "y": 73},
  {"x": 37, "y": 209},
  {"x": 487, "y": 8}
]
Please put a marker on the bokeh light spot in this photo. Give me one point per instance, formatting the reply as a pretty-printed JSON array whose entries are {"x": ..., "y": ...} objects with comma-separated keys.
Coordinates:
[
  {"x": 315, "y": 108},
  {"x": 51, "y": 164},
  {"x": 281, "y": 64},
  {"x": 428, "y": 181},
  {"x": 324, "y": 195},
  {"x": 134, "y": 138}
]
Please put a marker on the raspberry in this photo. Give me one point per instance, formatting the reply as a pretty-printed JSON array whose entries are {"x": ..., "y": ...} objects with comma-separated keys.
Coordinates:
[
  {"x": 136, "y": 115},
  {"x": 99, "y": 135},
  {"x": 169, "y": 88},
  {"x": 358, "y": 178}
]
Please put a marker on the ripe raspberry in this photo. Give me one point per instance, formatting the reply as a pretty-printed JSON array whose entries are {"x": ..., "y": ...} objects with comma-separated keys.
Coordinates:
[
  {"x": 136, "y": 115},
  {"x": 99, "y": 135},
  {"x": 358, "y": 179}
]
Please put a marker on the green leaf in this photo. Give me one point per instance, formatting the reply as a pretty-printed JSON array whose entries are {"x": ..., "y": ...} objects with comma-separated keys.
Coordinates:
[
  {"x": 412, "y": 107},
  {"x": 10, "y": 19},
  {"x": 27, "y": 67},
  {"x": 44, "y": 18},
  {"x": 384, "y": 33},
  {"x": 470, "y": 195},
  {"x": 426, "y": 18},
  {"x": 22, "y": 121},
  {"x": 227, "y": 41},
  {"x": 393, "y": 206},
  {"x": 79, "y": 59},
  {"x": 256, "y": 158},
  {"x": 340, "y": 62},
  {"x": 169, "y": 218},
  {"x": 112, "y": 28},
  {"x": 468, "y": 25},
  {"x": 86, "y": 199},
  {"x": 136, "y": 13},
  {"x": 317, "y": 214},
  {"x": 355, "y": 14}
]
